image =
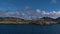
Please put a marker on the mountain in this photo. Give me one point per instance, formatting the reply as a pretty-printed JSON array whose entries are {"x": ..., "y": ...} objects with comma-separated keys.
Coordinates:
[
  {"x": 57, "y": 19},
  {"x": 44, "y": 21},
  {"x": 41, "y": 21},
  {"x": 46, "y": 18},
  {"x": 11, "y": 18}
]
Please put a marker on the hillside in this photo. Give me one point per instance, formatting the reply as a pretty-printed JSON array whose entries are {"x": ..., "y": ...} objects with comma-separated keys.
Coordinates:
[
  {"x": 41, "y": 21},
  {"x": 45, "y": 21},
  {"x": 8, "y": 20}
]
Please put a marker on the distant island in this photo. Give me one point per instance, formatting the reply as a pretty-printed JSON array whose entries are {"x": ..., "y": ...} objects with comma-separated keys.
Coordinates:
[{"x": 40, "y": 21}]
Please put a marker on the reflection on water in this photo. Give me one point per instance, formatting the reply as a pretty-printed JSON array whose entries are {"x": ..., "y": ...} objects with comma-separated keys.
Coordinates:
[{"x": 29, "y": 29}]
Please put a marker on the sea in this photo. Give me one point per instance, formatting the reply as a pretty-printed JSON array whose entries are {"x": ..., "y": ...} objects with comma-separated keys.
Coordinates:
[{"x": 29, "y": 29}]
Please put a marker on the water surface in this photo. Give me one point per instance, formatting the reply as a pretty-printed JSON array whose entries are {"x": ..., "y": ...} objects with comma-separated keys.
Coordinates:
[{"x": 29, "y": 29}]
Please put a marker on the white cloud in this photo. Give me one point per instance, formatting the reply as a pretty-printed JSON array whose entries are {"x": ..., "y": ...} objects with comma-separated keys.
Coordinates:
[
  {"x": 38, "y": 10},
  {"x": 42, "y": 13},
  {"x": 9, "y": 14},
  {"x": 54, "y": 1},
  {"x": 31, "y": 14}
]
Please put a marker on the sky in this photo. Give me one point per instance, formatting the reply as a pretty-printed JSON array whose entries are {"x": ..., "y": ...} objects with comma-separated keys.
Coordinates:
[{"x": 30, "y": 9}]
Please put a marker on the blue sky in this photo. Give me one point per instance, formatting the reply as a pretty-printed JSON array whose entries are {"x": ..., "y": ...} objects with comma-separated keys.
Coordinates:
[
  {"x": 48, "y": 5},
  {"x": 31, "y": 8}
]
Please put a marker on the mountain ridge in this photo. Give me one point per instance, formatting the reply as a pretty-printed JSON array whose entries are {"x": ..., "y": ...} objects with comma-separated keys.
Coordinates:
[{"x": 41, "y": 21}]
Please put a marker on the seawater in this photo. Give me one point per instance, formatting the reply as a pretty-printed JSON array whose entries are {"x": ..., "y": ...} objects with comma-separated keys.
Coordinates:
[{"x": 29, "y": 29}]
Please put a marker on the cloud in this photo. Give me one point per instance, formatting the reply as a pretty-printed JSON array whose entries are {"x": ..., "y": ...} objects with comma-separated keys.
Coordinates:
[
  {"x": 30, "y": 13},
  {"x": 37, "y": 13},
  {"x": 9, "y": 14},
  {"x": 54, "y": 1},
  {"x": 12, "y": 14},
  {"x": 38, "y": 10}
]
